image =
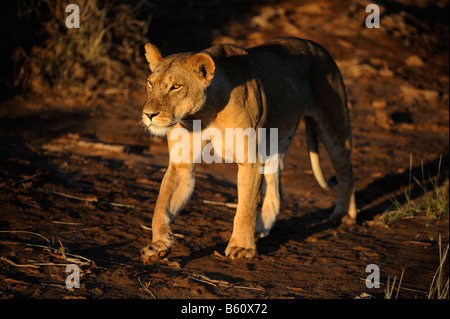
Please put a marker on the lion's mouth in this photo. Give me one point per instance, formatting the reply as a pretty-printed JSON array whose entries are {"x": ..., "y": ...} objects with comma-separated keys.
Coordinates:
[{"x": 158, "y": 130}]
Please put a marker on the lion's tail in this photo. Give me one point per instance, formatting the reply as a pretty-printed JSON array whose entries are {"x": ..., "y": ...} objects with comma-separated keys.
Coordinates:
[{"x": 313, "y": 149}]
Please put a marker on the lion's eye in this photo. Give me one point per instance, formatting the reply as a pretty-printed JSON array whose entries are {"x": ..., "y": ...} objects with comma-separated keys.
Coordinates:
[
  {"x": 175, "y": 87},
  {"x": 149, "y": 84}
]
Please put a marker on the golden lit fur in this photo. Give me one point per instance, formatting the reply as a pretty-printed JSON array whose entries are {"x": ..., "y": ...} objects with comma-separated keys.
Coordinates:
[{"x": 273, "y": 85}]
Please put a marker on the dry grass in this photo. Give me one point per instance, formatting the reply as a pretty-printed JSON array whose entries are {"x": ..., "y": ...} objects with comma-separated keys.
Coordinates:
[
  {"x": 390, "y": 287},
  {"x": 102, "y": 57},
  {"x": 439, "y": 286}
]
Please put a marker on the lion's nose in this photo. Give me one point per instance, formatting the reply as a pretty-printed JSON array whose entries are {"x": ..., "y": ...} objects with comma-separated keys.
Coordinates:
[{"x": 151, "y": 115}]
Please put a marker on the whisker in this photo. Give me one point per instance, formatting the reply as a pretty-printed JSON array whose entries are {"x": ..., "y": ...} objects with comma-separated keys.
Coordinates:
[
  {"x": 185, "y": 124},
  {"x": 142, "y": 125}
]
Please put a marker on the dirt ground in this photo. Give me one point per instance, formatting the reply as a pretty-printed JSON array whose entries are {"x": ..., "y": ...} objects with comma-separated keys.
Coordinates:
[{"x": 81, "y": 174}]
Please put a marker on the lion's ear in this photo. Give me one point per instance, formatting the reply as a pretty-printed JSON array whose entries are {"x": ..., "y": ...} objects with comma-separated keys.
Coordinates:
[
  {"x": 153, "y": 56},
  {"x": 203, "y": 65}
]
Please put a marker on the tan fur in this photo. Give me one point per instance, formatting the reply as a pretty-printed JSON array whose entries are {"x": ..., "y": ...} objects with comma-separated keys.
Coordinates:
[{"x": 274, "y": 85}]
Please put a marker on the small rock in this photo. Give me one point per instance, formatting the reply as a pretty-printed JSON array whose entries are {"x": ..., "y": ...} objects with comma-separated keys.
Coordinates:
[
  {"x": 414, "y": 61},
  {"x": 364, "y": 296},
  {"x": 379, "y": 104}
]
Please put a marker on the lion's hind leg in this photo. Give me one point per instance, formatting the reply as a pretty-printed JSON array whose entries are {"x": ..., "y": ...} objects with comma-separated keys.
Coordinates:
[
  {"x": 345, "y": 209},
  {"x": 331, "y": 122},
  {"x": 271, "y": 204},
  {"x": 271, "y": 189},
  {"x": 339, "y": 149}
]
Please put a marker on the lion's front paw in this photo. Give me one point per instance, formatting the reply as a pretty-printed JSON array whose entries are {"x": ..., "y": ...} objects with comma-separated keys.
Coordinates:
[
  {"x": 154, "y": 252},
  {"x": 235, "y": 252}
]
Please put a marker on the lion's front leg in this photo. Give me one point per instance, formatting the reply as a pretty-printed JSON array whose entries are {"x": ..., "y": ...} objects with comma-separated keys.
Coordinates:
[
  {"x": 242, "y": 242},
  {"x": 176, "y": 189}
]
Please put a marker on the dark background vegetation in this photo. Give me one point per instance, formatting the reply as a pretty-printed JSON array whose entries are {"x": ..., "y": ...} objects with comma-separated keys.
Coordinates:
[
  {"x": 78, "y": 175},
  {"x": 42, "y": 54}
]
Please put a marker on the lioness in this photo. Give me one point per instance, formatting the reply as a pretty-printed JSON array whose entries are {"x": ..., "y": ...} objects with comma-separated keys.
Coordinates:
[{"x": 273, "y": 85}]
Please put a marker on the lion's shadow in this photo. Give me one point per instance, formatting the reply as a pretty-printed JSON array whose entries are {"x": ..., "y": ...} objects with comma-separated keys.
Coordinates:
[{"x": 298, "y": 228}]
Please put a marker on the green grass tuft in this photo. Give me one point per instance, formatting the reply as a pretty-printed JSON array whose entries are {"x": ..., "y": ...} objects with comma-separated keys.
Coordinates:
[{"x": 433, "y": 203}]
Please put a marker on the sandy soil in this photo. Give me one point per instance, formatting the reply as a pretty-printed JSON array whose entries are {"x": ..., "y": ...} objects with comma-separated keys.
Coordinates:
[{"x": 84, "y": 176}]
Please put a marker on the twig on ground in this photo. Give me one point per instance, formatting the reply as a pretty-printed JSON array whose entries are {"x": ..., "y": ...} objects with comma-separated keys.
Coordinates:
[
  {"x": 212, "y": 202},
  {"x": 103, "y": 146},
  {"x": 147, "y": 289},
  {"x": 17, "y": 265},
  {"x": 62, "y": 250},
  {"x": 75, "y": 259},
  {"x": 403, "y": 288},
  {"x": 67, "y": 223},
  {"x": 296, "y": 288},
  {"x": 90, "y": 199},
  {"x": 25, "y": 232},
  {"x": 213, "y": 282},
  {"x": 51, "y": 264},
  {"x": 13, "y": 281}
]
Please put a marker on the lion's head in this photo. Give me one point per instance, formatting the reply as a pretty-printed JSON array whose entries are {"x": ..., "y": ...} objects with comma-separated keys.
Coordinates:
[{"x": 176, "y": 88}]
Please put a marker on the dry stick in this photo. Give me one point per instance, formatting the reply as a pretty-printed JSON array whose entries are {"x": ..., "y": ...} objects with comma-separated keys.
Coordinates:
[
  {"x": 403, "y": 288},
  {"x": 25, "y": 232},
  {"x": 79, "y": 230},
  {"x": 148, "y": 290},
  {"x": 216, "y": 283},
  {"x": 51, "y": 264},
  {"x": 62, "y": 250},
  {"x": 205, "y": 281},
  {"x": 13, "y": 281},
  {"x": 67, "y": 223},
  {"x": 93, "y": 199},
  {"x": 17, "y": 265},
  {"x": 249, "y": 288},
  {"x": 103, "y": 146},
  {"x": 296, "y": 288},
  {"x": 75, "y": 259},
  {"x": 400, "y": 283},
  {"x": 212, "y": 202},
  {"x": 213, "y": 281},
  {"x": 31, "y": 177}
]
